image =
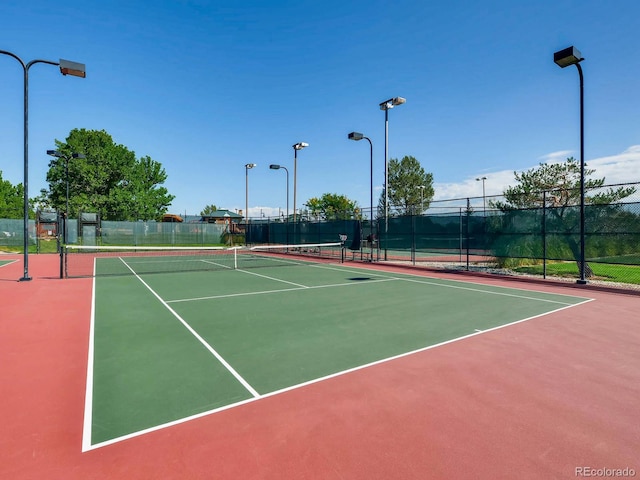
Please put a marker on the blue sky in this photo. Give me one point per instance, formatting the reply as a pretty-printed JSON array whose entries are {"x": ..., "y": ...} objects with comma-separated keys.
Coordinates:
[{"x": 204, "y": 87}]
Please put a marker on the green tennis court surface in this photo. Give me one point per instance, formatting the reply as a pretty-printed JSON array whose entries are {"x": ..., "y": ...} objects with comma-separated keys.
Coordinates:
[{"x": 166, "y": 347}]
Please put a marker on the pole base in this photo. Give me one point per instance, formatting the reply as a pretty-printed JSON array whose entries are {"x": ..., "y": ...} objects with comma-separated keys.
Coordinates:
[
  {"x": 25, "y": 279},
  {"x": 581, "y": 282}
]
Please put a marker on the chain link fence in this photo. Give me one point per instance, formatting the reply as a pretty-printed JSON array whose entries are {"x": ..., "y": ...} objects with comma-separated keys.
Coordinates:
[
  {"x": 489, "y": 233},
  {"x": 475, "y": 233}
]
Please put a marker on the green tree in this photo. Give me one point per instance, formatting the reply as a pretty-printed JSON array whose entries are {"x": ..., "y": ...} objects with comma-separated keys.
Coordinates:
[
  {"x": 561, "y": 181},
  {"x": 556, "y": 188},
  {"x": 331, "y": 206},
  {"x": 11, "y": 199},
  {"x": 208, "y": 210},
  {"x": 109, "y": 180},
  {"x": 410, "y": 187}
]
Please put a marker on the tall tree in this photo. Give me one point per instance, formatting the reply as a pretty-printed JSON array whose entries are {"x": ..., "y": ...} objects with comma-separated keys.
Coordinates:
[
  {"x": 410, "y": 187},
  {"x": 109, "y": 180},
  {"x": 331, "y": 206},
  {"x": 556, "y": 188},
  {"x": 11, "y": 199}
]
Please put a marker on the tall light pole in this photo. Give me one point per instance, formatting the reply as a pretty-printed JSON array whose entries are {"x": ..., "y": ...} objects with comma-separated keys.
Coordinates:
[
  {"x": 66, "y": 68},
  {"x": 66, "y": 158},
  {"x": 273, "y": 166},
  {"x": 296, "y": 147},
  {"x": 421, "y": 187},
  {"x": 386, "y": 106},
  {"x": 357, "y": 137},
  {"x": 484, "y": 204},
  {"x": 564, "y": 58},
  {"x": 247, "y": 167},
  {"x": 278, "y": 167}
]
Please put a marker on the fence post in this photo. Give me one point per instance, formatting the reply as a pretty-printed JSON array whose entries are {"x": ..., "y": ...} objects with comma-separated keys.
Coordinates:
[
  {"x": 413, "y": 238},
  {"x": 468, "y": 217},
  {"x": 460, "y": 235},
  {"x": 544, "y": 234}
]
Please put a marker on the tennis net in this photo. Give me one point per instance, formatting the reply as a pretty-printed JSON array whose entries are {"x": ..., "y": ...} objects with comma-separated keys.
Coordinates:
[{"x": 89, "y": 261}]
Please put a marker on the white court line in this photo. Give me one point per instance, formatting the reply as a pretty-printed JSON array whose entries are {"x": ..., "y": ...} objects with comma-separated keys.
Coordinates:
[
  {"x": 88, "y": 396},
  {"x": 321, "y": 379},
  {"x": 200, "y": 339},
  {"x": 265, "y": 292},
  {"x": 272, "y": 278},
  {"x": 214, "y": 263},
  {"x": 8, "y": 263},
  {"x": 488, "y": 292},
  {"x": 415, "y": 279},
  {"x": 256, "y": 274}
]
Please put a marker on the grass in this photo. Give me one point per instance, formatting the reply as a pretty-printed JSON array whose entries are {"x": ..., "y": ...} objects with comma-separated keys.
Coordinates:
[
  {"x": 46, "y": 246},
  {"x": 602, "y": 271}
]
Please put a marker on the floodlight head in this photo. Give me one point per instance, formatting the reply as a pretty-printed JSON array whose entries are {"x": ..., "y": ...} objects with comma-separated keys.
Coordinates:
[
  {"x": 300, "y": 145},
  {"x": 480, "y": 178},
  {"x": 251, "y": 165},
  {"x": 72, "y": 68},
  {"x": 566, "y": 57},
  {"x": 355, "y": 136},
  {"x": 54, "y": 153},
  {"x": 392, "y": 102},
  {"x": 78, "y": 155},
  {"x": 273, "y": 166}
]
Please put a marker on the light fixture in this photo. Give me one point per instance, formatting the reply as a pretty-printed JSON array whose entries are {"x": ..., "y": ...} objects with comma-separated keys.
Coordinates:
[
  {"x": 74, "y": 69},
  {"x": 566, "y": 57},
  {"x": 392, "y": 102}
]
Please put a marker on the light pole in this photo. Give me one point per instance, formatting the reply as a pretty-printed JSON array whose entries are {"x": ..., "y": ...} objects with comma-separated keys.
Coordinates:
[
  {"x": 421, "y": 187},
  {"x": 278, "y": 167},
  {"x": 296, "y": 147},
  {"x": 564, "y": 58},
  {"x": 357, "y": 137},
  {"x": 386, "y": 106},
  {"x": 247, "y": 167},
  {"x": 66, "y": 68},
  {"x": 273, "y": 166},
  {"x": 58, "y": 154},
  {"x": 484, "y": 204}
]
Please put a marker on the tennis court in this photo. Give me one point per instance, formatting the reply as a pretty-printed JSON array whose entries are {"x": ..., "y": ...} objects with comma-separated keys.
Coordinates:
[
  {"x": 341, "y": 379},
  {"x": 169, "y": 347}
]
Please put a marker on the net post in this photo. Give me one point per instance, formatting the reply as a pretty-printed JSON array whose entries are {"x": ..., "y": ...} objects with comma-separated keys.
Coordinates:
[
  {"x": 235, "y": 258},
  {"x": 343, "y": 248}
]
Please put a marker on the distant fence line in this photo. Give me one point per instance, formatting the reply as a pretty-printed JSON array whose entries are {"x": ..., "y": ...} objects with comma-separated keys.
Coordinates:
[
  {"x": 464, "y": 231},
  {"x": 112, "y": 233}
]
